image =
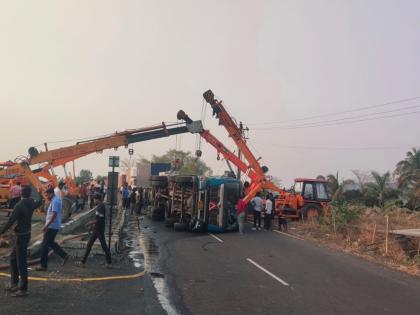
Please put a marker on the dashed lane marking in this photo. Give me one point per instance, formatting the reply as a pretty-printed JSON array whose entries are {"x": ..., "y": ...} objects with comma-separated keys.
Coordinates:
[
  {"x": 268, "y": 272},
  {"x": 289, "y": 235},
  {"x": 46, "y": 279},
  {"x": 215, "y": 237}
]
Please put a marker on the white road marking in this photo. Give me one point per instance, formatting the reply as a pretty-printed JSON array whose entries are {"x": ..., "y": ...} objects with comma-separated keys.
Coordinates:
[
  {"x": 289, "y": 235},
  {"x": 215, "y": 237},
  {"x": 268, "y": 272}
]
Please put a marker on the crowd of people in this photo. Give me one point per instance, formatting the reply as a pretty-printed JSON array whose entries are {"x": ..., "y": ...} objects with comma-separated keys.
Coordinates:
[
  {"x": 260, "y": 208},
  {"x": 134, "y": 199},
  {"x": 21, "y": 219}
]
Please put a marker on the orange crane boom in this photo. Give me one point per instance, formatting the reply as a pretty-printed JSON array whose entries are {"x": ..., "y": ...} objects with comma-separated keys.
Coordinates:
[
  {"x": 235, "y": 133},
  {"x": 221, "y": 148}
]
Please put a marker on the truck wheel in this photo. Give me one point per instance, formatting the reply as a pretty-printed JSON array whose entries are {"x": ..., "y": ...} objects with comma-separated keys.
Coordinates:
[
  {"x": 158, "y": 214},
  {"x": 311, "y": 211},
  {"x": 178, "y": 226},
  {"x": 159, "y": 178},
  {"x": 169, "y": 222},
  {"x": 156, "y": 183},
  {"x": 184, "y": 179}
]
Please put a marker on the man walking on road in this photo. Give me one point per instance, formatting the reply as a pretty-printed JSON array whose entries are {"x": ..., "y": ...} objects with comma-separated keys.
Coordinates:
[
  {"x": 257, "y": 203},
  {"x": 22, "y": 215},
  {"x": 51, "y": 228},
  {"x": 99, "y": 232}
]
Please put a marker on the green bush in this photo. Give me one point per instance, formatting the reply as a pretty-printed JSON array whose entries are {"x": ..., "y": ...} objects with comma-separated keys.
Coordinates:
[{"x": 344, "y": 213}]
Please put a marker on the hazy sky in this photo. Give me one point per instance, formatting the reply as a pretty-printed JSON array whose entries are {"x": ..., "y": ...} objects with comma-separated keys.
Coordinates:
[{"x": 72, "y": 69}]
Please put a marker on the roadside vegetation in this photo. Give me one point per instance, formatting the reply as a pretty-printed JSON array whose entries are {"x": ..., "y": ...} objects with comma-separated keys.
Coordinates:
[{"x": 365, "y": 208}]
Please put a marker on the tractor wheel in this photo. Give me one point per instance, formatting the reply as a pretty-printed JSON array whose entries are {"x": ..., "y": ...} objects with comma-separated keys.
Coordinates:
[{"x": 311, "y": 212}]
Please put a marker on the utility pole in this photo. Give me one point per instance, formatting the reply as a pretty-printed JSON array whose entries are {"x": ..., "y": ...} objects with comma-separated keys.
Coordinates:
[
  {"x": 114, "y": 161},
  {"x": 242, "y": 129}
]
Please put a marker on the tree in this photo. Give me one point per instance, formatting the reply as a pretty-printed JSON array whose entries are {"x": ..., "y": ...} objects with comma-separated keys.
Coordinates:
[
  {"x": 84, "y": 176},
  {"x": 189, "y": 165},
  {"x": 126, "y": 164},
  {"x": 408, "y": 178},
  {"x": 100, "y": 178},
  {"x": 362, "y": 178},
  {"x": 380, "y": 188},
  {"x": 321, "y": 177},
  {"x": 333, "y": 185}
]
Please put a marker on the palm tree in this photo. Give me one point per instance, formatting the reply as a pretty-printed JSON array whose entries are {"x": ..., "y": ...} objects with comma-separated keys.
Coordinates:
[
  {"x": 408, "y": 177},
  {"x": 333, "y": 186},
  {"x": 380, "y": 188}
]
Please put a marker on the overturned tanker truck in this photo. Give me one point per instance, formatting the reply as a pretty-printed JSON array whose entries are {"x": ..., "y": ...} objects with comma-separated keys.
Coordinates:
[{"x": 196, "y": 203}]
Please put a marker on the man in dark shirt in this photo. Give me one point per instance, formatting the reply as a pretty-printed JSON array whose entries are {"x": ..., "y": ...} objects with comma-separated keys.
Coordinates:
[
  {"x": 98, "y": 232},
  {"x": 22, "y": 215}
]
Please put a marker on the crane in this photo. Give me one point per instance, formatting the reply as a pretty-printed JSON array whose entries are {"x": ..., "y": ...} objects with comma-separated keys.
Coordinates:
[
  {"x": 49, "y": 159},
  {"x": 309, "y": 197}
]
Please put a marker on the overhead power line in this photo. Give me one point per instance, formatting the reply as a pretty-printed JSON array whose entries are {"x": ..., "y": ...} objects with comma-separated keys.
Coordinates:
[
  {"x": 326, "y": 123},
  {"x": 344, "y": 148},
  {"x": 363, "y": 108}
]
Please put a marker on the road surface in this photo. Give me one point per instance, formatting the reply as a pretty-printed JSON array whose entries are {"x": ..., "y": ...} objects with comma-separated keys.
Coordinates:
[
  {"x": 257, "y": 273},
  {"x": 272, "y": 273}
]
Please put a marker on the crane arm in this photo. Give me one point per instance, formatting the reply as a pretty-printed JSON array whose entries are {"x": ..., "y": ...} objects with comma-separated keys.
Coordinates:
[
  {"x": 233, "y": 131},
  {"x": 61, "y": 156},
  {"x": 227, "y": 154},
  {"x": 220, "y": 147}
]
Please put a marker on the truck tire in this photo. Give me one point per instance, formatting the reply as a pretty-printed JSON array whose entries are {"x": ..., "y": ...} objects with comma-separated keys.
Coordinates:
[
  {"x": 170, "y": 222},
  {"x": 156, "y": 183},
  {"x": 158, "y": 214},
  {"x": 311, "y": 211},
  {"x": 178, "y": 226},
  {"x": 184, "y": 179},
  {"x": 157, "y": 178}
]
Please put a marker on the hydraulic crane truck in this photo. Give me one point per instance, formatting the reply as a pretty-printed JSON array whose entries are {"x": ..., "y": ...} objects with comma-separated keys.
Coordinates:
[
  {"x": 308, "y": 198},
  {"x": 37, "y": 168}
]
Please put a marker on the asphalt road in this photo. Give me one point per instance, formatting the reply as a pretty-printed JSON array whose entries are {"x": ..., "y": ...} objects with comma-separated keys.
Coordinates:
[
  {"x": 121, "y": 296},
  {"x": 257, "y": 273},
  {"x": 270, "y": 273}
]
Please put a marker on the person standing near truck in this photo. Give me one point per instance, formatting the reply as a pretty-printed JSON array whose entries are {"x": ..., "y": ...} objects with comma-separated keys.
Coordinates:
[
  {"x": 133, "y": 197},
  {"x": 257, "y": 203},
  {"x": 22, "y": 216},
  {"x": 125, "y": 196},
  {"x": 240, "y": 211},
  {"x": 268, "y": 212},
  {"x": 98, "y": 232}
]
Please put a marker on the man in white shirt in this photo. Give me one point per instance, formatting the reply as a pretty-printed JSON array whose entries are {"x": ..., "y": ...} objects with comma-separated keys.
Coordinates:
[
  {"x": 257, "y": 203},
  {"x": 268, "y": 212},
  {"x": 59, "y": 190}
]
